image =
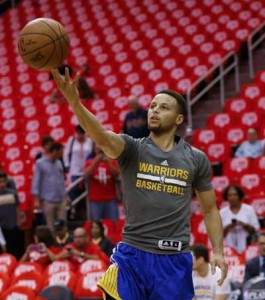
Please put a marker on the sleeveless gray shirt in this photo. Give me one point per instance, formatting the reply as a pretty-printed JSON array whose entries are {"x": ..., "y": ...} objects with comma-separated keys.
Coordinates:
[{"x": 158, "y": 190}]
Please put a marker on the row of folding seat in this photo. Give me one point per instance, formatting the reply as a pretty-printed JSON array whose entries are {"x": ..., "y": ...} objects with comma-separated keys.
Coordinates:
[{"x": 30, "y": 275}]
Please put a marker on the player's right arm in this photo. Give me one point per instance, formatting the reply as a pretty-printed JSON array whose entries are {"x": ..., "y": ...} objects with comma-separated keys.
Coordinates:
[{"x": 110, "y": 143}]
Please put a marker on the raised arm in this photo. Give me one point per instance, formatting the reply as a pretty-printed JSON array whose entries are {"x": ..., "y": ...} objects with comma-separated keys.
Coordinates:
[
  {"x": 214, "y": 228},
  {"x": 110, "y": 143}
]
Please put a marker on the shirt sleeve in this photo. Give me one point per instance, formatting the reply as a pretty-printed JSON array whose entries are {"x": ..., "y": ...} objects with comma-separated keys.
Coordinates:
[
  {"x": 202, "y": 181},
  {"x": 254, "y": 219},
  {"x": 129, "y": 152},
  {"x": 35, "y": 187}
]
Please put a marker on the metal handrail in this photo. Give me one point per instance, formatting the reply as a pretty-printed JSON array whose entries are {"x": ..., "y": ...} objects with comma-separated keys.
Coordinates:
[
  {"x": 81, "y": 196},
  {"x": 252, "y": 46},
  {"x": 220, "y": 77}
]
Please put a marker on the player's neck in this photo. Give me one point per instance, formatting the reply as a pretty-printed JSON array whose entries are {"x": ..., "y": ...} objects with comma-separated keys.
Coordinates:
[{"x": 165, "y": 142}]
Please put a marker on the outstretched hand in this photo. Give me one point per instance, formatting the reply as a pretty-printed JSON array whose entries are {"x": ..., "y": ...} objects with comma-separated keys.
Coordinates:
[
  {"x": 218, "y": 260},
  {"x": 67, "y": 87}
]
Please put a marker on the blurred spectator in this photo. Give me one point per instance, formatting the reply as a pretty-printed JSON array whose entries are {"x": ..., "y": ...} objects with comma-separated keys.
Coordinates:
[
  {"x": 48, "y": 186},
  {"x": 85, "y": 71},
  {"x": 239, "y": 219},
  {"x": 11, "y": 185},
  {"x": 256, "y": 265},
  {"x": 41, "y": 251},
  {"x": 135, "y": 123},
  {"x": 253, "y": 147},
  {"x": 46, "y": 143},
  {"x": 61, "y": 234},
  {"x": 98, "y": 237},
  {"x": 81, "y": 249},
  {"x": 2, "y": 242},
  {"x": 77, "y": 149},
  {"x": 9, "y": 218},
  {"x": 205, "y": 283},
  {"x": 102, "y": 173},
  {"x": 84, "y": 89}
]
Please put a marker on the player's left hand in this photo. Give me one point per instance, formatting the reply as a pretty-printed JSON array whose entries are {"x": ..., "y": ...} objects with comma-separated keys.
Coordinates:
[{"x": 218, "y": 260}]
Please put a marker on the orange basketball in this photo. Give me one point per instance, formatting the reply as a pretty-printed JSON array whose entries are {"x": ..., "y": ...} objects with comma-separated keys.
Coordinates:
[{"x": 43, "y": 44}]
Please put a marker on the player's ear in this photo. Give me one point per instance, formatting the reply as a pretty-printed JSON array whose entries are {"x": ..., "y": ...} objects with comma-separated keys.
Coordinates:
[{"x": 179, "y": 119}]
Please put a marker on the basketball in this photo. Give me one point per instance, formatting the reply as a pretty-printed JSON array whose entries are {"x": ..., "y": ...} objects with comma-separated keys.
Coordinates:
[{"x": 43, "y": 44}]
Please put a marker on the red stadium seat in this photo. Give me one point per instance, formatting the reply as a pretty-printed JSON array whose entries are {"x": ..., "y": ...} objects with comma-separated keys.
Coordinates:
[
  {"x": 258, "y": 203},
  {"x": 220, "y": 183},
  {"x": 259, "y": 165},
  {"x": 250, "y": 119},
  {"x": 9, "y": 261},
  {"x": 32, "y": 279},
  {"x": 220, "y": 121},
  {"x": 18, "y": 292},
  {"x": 58, "y": 266},
  {"x": 218, "y": 152},
  {"x": 4, "y": 282},
  {"x": 92, "y": 265},
  {"x": 252, "y": 91},
  {"x": 235, "y": 136},
  {"x": 237, "y": 105},
  {"x": 252, "y": 184},
  {"x": 203, "y": 137},
  {"x": 86, "y": 286},
  {"x": 235, "y": 167}
]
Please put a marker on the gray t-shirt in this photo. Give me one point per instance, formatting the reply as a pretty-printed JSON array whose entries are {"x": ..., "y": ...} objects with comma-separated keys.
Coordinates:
[{"x": 157, "y": 192}]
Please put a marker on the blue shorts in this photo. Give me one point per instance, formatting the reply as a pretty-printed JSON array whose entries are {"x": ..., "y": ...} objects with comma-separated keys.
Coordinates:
[{"x": 147, "y": 276}]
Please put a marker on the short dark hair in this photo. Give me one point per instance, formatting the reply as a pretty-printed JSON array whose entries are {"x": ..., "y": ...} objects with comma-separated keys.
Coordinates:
[
  {"x": 180, "y": 100},
  {"x": 79, "y": 129},
  {"x": 55, "y": 147},
  {"x": 238, "y": 189},
  {"x": 47, "y": 139},
  {"x": 44, "y": 235},
  {"x": 3, "y": 175},
  {"x": 101, "y": 227},
  {"x": 199, "y": 250}
]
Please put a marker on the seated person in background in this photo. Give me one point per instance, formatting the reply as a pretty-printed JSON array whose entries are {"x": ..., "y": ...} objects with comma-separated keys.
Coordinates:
[
  {"x": 9, "y": 218},
  {"x": 253, "y": 147},
  {"x": 82, "y": 249},
  {"x": 239, "y": 219},
  {"x": 62, "y": 237},
  {"x": 135, "y": 122},
  {"x": 41, "y": 252},
  {"x": 256, "y": 265},
  {"x": 205, "y": 283},
  {"x": 2, "y": 242},
  {"x": 98, "y": 237}
]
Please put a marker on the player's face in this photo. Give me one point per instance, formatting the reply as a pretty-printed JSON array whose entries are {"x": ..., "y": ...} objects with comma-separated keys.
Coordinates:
[{"x": 163, "y": 114}]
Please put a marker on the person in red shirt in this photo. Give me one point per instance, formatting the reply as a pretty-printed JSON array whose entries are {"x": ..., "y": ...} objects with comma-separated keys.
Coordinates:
[
  {"x": 81, "y": 249},
  {"x": 42, "y": 251},
  {"x": 102, "y": 173}
]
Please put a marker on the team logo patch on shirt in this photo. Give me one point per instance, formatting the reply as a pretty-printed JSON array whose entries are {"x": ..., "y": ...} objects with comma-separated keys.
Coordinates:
[
  {"x": 170, "y": 245},
  {"x": 162, "y": 179}
]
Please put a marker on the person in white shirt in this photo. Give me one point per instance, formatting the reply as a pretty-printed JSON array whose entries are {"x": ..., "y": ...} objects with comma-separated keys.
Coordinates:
[
  {"x": 78, "y": 148},
  {"x": 239, "y": 219},
  {"x": 206, "y": 284},
  {"x": 2, "y": 242},
  {"x": 253, "y": 147}
]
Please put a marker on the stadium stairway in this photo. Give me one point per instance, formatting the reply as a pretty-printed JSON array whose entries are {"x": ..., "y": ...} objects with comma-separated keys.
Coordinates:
[{"x": 211, "y": 102}]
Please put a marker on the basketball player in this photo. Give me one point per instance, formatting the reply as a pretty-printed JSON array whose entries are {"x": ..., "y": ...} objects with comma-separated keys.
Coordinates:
[{"x": 159, "y": 172}]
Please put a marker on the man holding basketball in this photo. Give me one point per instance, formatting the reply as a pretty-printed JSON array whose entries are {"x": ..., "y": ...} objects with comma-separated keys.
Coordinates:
[{"x": 159, "y": 172}]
